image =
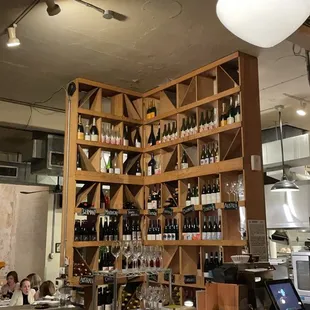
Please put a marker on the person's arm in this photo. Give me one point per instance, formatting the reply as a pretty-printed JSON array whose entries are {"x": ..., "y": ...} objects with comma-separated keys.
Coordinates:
[{"x": 13, "y": 301}]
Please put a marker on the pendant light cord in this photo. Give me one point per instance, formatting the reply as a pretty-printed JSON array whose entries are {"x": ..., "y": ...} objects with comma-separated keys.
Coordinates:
[{"x": 281, "y": 140}]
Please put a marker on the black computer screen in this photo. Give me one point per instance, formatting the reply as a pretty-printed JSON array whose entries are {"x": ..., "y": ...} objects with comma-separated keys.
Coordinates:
[{"x": 284, "y": 295}]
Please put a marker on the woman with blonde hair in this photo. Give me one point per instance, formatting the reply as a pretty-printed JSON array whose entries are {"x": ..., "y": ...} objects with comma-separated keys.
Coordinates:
[
  {"x": 24, "y": 295},
  {"x": 35, "y": 281},
  {"x": 47, "y": 288}
]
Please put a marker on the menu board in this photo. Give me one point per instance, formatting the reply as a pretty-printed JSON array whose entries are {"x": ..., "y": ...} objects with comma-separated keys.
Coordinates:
[{"x": 258, "y": 238}]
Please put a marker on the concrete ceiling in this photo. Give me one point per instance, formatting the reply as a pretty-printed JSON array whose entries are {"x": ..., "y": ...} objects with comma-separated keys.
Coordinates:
[{"x": 159, "y": 40}]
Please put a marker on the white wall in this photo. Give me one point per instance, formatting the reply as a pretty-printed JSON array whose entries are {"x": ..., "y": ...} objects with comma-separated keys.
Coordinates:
[{"x": 25, "y": 231}]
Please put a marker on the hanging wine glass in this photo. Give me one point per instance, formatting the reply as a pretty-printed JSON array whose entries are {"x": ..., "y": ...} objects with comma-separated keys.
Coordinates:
[
  {"x": 227, "y": 190},
  {"x": 126, "y": 249},
  {"x": 116, "y": 249}
]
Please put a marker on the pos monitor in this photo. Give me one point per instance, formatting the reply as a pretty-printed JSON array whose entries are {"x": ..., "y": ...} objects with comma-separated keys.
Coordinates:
[{"x": 284, "y": 295}]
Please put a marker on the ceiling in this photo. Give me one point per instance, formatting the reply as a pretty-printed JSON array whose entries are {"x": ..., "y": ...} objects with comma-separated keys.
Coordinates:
[{"x": 159, "y": 40}]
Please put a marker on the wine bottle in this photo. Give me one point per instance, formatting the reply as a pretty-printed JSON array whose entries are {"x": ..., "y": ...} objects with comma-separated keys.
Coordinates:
[
  {"x": 153, "y": 110},
  {"x": 103, "y": 164},
  {"x": 199, "y": 272},
  {"x": 168, "y": 136},
  {"x": 80, "y": 129},
  {"x": 219, "y": 230},
  {"x": 176, "y": 229},
  {"x": 214, "y": 229},
  {"x": 113, "y": 135},
  {"x": 100, "y": 230},
  {"x": 204, "y": 229},
  {"x": 87, "y": 133},
  {"x": 202, "y": 122},
  {"x": 206, "y": 268},
  {"x": 194, "y": 124},
  {"x": 78, "y": 161},
  {"x": 77, "y": 230},
  {"x": 196, "y": 234},
  {"x": 237, "y": 109},
  {"x": 185, "y": 229},
  {"x": 209, "y": 193},
  {"x": 188, "y": 196},
  {"x": 184, "y": 163},
  {"x": 116, "y": 169},
  {"x": 215, "y": 118},
  {"x": 109, "y": 165},
  {"x": 154, "y": 198},
  {"x": 126, "y": 137},
  {"x": 216, "y": 153},
  {"x": 190, "y": 230},
  {"x": 110, "y": 230},
  {"x": 105, "y": 230},
  {"x": 203, "y": 155},
  {"x": 137, "y": 138},
  {"x": 204, "y": 195},
  {"x": 212, "y": 154},
  {"x": 207, "y": 155},
  {"x": 188, "y": 127},
  {"x": 133, "y": 231},
  {"x": 138, "y": 231},
  {"x": 183, "y": 128},
  {"x": 138, "y": 169},
  {"x": 213, "y": 193},
  {"x": 165, "y": 133},
  {"x": 211, "y": 124},
  {"x": 158, "y": 235},
  {"x": 149, "y": 231},
  {"x": 158, "y": 141},
  {"x": 193, "y": 196},
  {"x": 94, "y": 135},
  {"x": 218, "y": 193},
  {"x": 210, "y": 229},
  {"x": 223, "y": 115},
  {"x": 207, "y": 120},
  {"x": 149, "y": 202},
  {"x": 115, "y": 234},
  {"x": 152, "y": 140},
  {"x": 231, "y": 112},
  {"x": 151, "y": 166}
]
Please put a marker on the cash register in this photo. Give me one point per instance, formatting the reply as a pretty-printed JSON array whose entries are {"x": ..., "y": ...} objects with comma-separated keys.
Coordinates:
[{"x": 283, "y": 295}]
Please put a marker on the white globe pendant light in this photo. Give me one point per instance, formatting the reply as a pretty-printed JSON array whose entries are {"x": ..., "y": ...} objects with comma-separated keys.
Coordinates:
[{"x": 264, "y": 23}]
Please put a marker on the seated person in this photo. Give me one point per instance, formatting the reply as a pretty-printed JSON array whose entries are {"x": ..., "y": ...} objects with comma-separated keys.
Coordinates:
[
  {"x": 47, "y": 288},
  {"x": 35, "y": 281},
  {"x": 24, "y": 295},
  {"x": 8, "y": 289}
]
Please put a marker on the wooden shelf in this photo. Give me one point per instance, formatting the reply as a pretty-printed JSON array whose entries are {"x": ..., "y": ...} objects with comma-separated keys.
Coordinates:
[
  {"x": 89, "y": 176},
  {"x": 197, "y": 171},
  {"x": 89, "y": 244},
  {"x": 109, "y": 147},
  {"x": 230, "y": 243},
  {"x": 199, "y": 135},
  {"x": 109, "y": 117},
  {"x": 193, "y": 105}
]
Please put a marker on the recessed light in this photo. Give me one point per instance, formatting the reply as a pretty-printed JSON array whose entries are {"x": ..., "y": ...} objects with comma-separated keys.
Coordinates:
[{"x": 13, "y": 40}]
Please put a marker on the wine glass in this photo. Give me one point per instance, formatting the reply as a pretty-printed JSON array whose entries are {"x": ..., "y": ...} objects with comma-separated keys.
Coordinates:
[
  {"x": 140, "y": 293},
  {"x": 116, "y": 249},
  {"x": 233, "y": 190},
  {"x": 127, "y": 251},
  {"x": 136, "y": 252}
]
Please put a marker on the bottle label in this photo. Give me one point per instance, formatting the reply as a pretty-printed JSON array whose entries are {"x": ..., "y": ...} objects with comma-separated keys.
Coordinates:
[
  {"x": 139, "y": 235},
  {"x": 80, "y": 135},
  {"x": 211, "y": 160},
  {"x": 237, "y": 118},
  {"x": 164, "y": 236},
  {"x": 204, "y": 199},
  {"x": 207, "y": 275},
  {"x": 94, "y": 138},
  {"x": 217, "y": 158},
  {"x": 110, "y": 170},
  {"x": 184, "y": 165},
  {"x": 204, "y": 236},
  {"x": 149, "y": 205},
  {"x": 157, "y": 171},
  {"x": 149, "y": 171},
  {"x": 213, "y": 198},
  {"x": 213, "y": 236},
  {"x": 208, "y": 198},
  {"x": 164, "y": 138},
  {"x": 113, "y": 140},
  {"x": 211, "y": 125},
  {"x": 138, "y": 174},
  {"x": 118, "y": 141},
  {"x": 154, "y": 204},
  {"x": 230, "y": 120},
  {"x": 125, "y": 142},
  {"x": 202, "y": 161},
  {"x": 87, "y": 137},
  {"x": 195, "y": 130},
  {"x": 218, "y": 197},
  {"x": 117, "y": 170},
  {"x": 148, "y": 237},
  {"x": 207, "y": 161},
  {"x": 158, "y": 237},
  {"x": 197, "y": 200},
  {"x": 209, "y": 236},
  {"x": 201, "y": 128},
  {"x": 187, "y": 203},
  {"x": 223, "y": 123},
  {"x": 219, "y": 235},
  {"x": 193, "y": 200},
  {"x": 138, "y": 144},
  {"x": 182, "y": 133},
  {"x": 107, "y": 139}
]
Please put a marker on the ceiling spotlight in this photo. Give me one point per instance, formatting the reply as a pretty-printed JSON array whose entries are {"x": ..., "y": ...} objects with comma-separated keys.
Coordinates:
[
  {"x": 52, "y": 8},
  {"x": 108, "y": 14},
  {"x": 12, "y": 41},
  {"x": 302, "y": 109},
  {"x": 263, "y": 23}
]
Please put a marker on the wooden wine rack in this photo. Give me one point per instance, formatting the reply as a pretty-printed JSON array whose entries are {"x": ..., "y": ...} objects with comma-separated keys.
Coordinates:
[{"x": 189, "y": 94}]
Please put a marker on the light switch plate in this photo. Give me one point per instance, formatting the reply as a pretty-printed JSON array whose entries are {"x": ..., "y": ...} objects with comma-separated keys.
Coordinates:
[{"x": 256, "y": 162}]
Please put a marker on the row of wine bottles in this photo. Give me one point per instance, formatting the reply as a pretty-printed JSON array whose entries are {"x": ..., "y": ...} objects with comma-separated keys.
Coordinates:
[
  {"x": 85, "y": 230},
  {"x": 208, "y": 120},
  {"x": 209, "y": 154},
  {"x": 212, "y": 230},
  {"x": 108, "y": 230},
  {"x": 210, "y": 263},
  {"x": 105, "y": 297},
  {"x": 106, "y": 259},
  {"x": 132, "y": 230},
  {"x": 231, "y": 113}
]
